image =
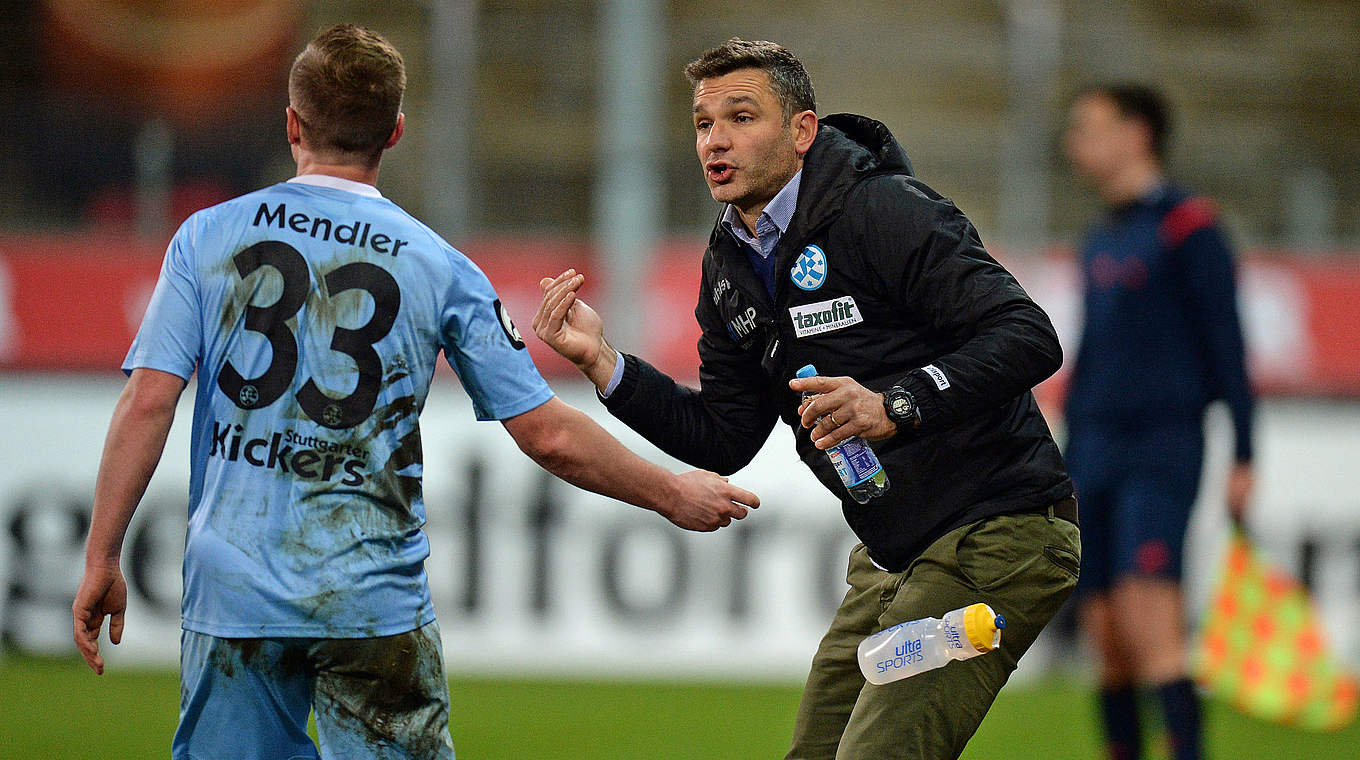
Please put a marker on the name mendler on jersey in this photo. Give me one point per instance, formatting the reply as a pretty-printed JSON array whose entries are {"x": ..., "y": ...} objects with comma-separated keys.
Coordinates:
[{"x": 356, "y": 234}]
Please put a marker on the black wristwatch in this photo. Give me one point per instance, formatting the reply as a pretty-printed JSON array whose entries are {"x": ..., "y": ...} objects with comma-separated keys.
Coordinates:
[{"x": 901, "y": 407}]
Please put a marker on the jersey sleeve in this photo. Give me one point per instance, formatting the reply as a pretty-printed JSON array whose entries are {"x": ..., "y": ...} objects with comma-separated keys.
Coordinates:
[
  {"x": 1208, "y": 272},
  {"x": 170, "y": 338},
  {"x": 485, "y": 349}
]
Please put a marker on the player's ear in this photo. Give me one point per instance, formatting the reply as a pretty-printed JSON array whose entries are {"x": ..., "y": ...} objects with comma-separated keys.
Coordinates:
[
  {"x": 294, "y": 126},
  {"x": 397, "y": 131}
]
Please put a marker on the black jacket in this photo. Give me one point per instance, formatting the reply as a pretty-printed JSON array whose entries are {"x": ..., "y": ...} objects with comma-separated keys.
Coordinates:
[{"x": 911, "y": 298}]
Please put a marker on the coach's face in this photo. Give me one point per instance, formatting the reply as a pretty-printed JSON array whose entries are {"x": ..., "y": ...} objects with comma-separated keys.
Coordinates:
[{"x": 747, "y": 149}]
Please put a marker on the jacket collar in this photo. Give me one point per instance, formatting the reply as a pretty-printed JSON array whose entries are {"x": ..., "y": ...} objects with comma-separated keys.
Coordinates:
[{"x": 848, "y": 149}]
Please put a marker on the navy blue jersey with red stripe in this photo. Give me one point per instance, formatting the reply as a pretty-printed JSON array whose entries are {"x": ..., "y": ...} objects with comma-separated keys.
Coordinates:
[{"x": 1162, "y": 336}]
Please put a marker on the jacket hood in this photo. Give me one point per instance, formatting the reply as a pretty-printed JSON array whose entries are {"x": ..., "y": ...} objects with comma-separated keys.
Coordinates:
[{"x": 848, "y": 149}]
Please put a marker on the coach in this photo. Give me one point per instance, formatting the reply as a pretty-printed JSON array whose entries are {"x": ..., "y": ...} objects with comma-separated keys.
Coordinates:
[{"x": 829, "y": 252}]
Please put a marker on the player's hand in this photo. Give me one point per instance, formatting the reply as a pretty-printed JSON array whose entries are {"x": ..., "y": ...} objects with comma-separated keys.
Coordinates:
[
  {"x": 842, "y": 408},
  {"x": 571, "y": 328},
  {"x": 102, "y": 592},
  {"x": 705, "y": 501},
  {"x": 1241, "y": 481}
]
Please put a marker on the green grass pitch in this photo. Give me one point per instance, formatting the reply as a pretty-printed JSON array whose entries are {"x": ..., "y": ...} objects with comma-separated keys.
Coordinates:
[{"x": 58, "y": 709}]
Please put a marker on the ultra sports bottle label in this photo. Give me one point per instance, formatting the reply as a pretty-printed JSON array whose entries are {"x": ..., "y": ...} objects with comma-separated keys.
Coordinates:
[{"x": 854, "y": 462}]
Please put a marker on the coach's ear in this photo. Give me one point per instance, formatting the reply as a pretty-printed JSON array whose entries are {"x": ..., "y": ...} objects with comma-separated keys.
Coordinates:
[
  {"x": 804, "y": 131},
  {"x": 397, "y": 131}
]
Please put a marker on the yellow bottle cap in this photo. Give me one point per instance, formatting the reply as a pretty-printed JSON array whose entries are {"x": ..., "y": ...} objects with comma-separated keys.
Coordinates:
[{"x": 983, "y": 627}]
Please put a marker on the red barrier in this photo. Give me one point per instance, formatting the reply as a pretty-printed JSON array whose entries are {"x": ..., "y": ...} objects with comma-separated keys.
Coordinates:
[{"x": 73, "y": 303}]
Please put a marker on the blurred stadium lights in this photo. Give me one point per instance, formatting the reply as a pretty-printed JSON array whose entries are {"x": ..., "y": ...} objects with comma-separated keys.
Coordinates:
[
  {"x": 453, "y": 42},
  {"x": 1310, "y": 208},
  {"x": 1033, "y": 55},
  {"x": 628, "y": 184},
  {"x": 154, "y": 153}
]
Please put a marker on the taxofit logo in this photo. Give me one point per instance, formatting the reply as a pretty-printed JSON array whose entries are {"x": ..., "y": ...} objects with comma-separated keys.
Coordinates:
[{"x": 825, "y": 316}]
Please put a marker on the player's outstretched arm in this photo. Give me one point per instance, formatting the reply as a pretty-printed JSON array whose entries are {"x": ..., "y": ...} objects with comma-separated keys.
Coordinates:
[
  {"x": 571, "y": 328},
  {"x": 141, "y": 421},
  {"x": 567, "y": 443}
]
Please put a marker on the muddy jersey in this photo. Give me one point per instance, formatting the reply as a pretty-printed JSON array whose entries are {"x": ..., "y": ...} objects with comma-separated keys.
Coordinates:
[{"x": 314, "y": 312}]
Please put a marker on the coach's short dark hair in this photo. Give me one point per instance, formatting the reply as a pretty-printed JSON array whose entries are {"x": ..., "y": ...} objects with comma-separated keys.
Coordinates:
[
  {"x": 1141, "y": 103},
  {"x": 347, "y": 88},
  {"x": 788, "y": 78}
]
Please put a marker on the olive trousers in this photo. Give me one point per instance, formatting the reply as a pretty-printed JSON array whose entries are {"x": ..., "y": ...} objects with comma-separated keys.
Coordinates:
[{"x": 1023, "y": 565}]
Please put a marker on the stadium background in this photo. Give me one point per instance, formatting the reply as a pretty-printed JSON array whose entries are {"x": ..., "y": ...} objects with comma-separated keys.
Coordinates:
[{"x": 544, "y": 134}]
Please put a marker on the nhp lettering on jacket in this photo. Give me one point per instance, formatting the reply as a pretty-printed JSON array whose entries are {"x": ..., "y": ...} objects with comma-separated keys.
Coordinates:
[
  {"x": 742, "y": 324},
  {"x": 825, "y": 316}
]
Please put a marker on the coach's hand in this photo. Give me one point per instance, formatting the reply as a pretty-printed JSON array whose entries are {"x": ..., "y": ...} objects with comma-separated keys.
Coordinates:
[
  {"x": 102, "y": 592},
  {"x": 705, "y": 501},
  {"x": 571, "y": 328},
  {"x": 842, "y": 408}
]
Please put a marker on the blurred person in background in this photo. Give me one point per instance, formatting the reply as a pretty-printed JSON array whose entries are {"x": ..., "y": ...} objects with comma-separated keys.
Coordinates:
[
  {"x": 829, "y": 252},
  {"x": 1161, "y": 339},
  {"x": 137, "y": 114},
  {"x": 314, "y": 312}
]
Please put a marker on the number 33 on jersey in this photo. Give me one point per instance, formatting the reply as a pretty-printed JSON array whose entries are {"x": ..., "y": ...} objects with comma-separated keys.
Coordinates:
[
  {"x": 304, "y": 338},
  {"x": 272, "y": 322}
]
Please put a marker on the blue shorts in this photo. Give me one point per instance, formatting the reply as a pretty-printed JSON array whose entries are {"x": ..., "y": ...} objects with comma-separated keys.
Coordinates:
[
  {"x": 1136, "y": 488},
  {"x": 383, "y": 697}
]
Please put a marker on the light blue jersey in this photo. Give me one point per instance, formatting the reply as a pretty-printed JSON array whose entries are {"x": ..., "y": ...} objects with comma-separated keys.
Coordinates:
[{"x": 314, "y": 312}]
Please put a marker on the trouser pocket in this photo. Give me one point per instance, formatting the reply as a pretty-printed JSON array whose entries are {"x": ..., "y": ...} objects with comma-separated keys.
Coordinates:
[{"x": 1064, "y": 558}]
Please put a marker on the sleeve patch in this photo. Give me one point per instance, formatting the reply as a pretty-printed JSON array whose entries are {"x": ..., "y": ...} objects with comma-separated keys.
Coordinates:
[
  {"x": 936, "y": 374},
  {"x": 508, "y": 325},
  {"x": 1185, "y": 219}
]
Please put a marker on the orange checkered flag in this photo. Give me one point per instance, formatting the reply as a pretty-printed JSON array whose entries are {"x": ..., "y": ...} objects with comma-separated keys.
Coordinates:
[{"x": 1262, "y": 647}]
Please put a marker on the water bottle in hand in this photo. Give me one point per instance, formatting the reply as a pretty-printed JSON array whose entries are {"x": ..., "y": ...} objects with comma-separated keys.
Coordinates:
[
  {"x": 920, "y": 645},
  {"x": 854, "y": 461}
]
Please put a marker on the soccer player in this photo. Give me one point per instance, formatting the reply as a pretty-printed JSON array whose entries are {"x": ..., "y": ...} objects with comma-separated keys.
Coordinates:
[
  {"x": 313, "y": 312},
  {"x": 1162, "y": 338},
  {"x": 829, "y": 252}
]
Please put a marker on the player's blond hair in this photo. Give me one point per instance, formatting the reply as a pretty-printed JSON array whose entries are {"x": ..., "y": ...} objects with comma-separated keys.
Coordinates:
[{"x": 346, "y": 88}]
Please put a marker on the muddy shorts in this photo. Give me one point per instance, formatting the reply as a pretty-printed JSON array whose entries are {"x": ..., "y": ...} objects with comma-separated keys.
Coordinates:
[{"x": 379, "y": 698}]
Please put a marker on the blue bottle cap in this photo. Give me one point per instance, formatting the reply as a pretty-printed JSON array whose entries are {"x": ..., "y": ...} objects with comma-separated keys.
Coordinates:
[{"x": 807, "y": 371}]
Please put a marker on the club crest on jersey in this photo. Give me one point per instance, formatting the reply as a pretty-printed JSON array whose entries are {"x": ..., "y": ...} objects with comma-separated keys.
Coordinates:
[{"x": 809, "y": 271}]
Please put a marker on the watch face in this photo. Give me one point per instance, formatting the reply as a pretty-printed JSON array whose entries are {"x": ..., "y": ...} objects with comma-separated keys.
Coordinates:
[{"x": 901, "y": 406}]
